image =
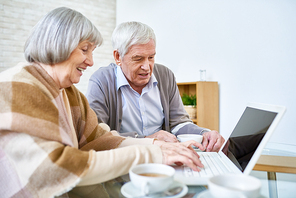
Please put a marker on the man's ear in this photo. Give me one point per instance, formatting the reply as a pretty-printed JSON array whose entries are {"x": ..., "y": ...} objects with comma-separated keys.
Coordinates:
[{"x": 117, "y": 57}]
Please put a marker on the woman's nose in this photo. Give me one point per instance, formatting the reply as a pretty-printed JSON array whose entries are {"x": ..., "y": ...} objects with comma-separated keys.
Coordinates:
[{"x": 89, "y": 60}]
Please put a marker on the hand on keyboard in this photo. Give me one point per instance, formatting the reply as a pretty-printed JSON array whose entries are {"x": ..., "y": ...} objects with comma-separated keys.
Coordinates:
[
  {"x": 179, "y": 154},
  {"x": 212, "y": 141},
  {"x": 213, "y": 165},
  {"x": 191, "y": 143}
]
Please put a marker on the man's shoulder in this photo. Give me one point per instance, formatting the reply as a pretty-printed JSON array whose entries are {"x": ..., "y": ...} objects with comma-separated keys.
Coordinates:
[
  {"x": 105, "y": 71},
  {"x": 160, "y": 66},
  {"x": 160, "y": 70},
  {"x": 108, "y": 68}
]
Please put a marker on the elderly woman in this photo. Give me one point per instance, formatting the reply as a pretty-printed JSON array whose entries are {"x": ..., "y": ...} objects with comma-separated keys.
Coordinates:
[{"x": 50, "y": 140}]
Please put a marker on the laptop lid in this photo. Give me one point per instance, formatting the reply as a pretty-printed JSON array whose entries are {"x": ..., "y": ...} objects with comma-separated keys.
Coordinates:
[
  {"x": 255, "y": 127},
  {"x": 257, "y": 119}
]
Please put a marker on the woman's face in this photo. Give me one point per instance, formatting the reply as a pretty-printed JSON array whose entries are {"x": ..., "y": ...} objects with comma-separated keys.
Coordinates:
[{"x": 69, "y": 72}]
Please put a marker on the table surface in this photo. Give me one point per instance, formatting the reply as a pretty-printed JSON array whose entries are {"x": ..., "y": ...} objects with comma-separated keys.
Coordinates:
[
  {"x": 277, "y": 157},
  {"x": 272, "y": 163},
  {"x": 271, "y": 160}
]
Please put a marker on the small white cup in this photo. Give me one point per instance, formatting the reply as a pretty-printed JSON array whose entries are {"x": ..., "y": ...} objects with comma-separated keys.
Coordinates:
[
  {"x": 150, "y": 178},
  {"x": 203, "y": 74},
  {"x": 187, "y": 137},
  {"x": 234, "y": 185}
]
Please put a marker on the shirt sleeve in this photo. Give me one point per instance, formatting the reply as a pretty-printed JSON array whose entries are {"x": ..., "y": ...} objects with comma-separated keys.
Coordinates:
[
  {"x": 189, "y": 128},
  {"x": 107, "y": 165},
  {"x": 173, "y": 108}
]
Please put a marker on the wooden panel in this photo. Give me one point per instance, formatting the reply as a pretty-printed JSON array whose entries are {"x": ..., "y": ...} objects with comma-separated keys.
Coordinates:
[
  {"x": 207, "y": 105},
  {"x": 207, "y": 100},
  {"x": 189, "y": 89}
]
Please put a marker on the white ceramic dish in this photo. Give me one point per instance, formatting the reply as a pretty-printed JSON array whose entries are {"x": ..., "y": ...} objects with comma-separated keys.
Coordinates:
[
  {"x": 207, "y": 194},
  {"x": 150, "y": 184},
  {"x": 232, "y": 185},
  {"x": 187, "y": 137},
  {"x": 129, "y": 190}
]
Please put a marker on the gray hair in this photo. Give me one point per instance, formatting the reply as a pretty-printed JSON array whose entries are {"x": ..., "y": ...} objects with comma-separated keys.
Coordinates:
[
  {"x": 131, "y": 33},
  {"x": 57, "y": 34}
]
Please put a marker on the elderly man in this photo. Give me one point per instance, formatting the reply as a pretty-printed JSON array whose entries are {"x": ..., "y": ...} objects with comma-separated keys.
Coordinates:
[{"x": 138, "y": 97}]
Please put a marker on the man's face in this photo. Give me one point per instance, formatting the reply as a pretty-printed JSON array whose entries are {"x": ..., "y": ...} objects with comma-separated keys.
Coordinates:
[{"x": 137, "y": 65}]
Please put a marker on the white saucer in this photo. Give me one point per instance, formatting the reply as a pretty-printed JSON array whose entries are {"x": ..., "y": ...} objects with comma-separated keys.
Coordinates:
[
  {"x": 207, "y": 194},
  {"x": 128, "y": 190}
]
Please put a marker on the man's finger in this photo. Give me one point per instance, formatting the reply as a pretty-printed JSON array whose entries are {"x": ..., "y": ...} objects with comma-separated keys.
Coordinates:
[{"x": 205, "y": 142}]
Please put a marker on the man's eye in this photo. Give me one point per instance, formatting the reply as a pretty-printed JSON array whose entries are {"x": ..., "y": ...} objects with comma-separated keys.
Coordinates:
[{"x": 137, "y": 59}]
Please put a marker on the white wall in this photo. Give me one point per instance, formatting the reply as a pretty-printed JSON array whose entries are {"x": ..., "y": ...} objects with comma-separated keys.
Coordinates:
[
  {"x": 249, "y": 47},
  {"x": 17, "y": 18}
]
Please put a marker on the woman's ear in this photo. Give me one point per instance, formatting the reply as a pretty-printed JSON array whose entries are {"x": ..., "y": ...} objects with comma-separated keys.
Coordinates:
[{"x": 117, "y": 57}]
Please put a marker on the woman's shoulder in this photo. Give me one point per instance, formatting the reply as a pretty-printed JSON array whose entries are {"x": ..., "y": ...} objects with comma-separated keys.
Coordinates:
[
  {"x": 27, "y": 76},
  {"x": 9, "y": 73}
]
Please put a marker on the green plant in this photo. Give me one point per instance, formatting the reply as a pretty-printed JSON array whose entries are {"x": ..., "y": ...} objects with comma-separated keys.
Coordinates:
[{"x": 189, "y": 99}]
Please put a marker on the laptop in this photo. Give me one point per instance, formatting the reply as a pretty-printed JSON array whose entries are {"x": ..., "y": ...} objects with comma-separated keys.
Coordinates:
[{"x": 254, "y": 128}]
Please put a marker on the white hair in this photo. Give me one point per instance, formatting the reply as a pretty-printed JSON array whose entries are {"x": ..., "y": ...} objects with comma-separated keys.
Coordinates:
[
  {"x": 57, "y": 34},
  {"x": 131, "y": 33}
]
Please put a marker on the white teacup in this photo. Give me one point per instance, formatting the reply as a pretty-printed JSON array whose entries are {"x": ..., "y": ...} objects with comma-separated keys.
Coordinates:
[
  {"x": 233, "y": 185},
  {"x": 150, "y": 178},
  {"x": 187, "y": 137}
]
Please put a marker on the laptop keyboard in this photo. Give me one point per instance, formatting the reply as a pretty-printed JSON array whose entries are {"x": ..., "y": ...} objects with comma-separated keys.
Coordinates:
[{"x": 213, "y": 165}]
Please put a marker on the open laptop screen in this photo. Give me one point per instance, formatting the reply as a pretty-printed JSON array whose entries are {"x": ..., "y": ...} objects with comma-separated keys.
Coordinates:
[{"x": 246, "y": 137}]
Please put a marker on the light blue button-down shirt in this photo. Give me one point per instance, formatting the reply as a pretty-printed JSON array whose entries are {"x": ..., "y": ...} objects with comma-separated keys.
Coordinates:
[{"x": 140, "y": 113}]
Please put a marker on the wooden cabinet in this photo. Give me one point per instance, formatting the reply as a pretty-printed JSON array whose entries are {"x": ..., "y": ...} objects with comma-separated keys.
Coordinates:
[{"x": 207, "y": 102}]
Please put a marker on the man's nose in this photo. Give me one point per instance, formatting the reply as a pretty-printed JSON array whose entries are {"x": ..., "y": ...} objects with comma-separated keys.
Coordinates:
[{"x": 145, "y": 65}]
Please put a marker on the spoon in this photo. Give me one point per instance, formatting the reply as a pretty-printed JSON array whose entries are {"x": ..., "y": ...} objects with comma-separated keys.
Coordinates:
[{"x": 169, "y": 192}]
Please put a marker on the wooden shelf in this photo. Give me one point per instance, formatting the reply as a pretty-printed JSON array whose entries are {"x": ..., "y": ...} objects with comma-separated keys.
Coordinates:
[{"x": 207, "y": 102}]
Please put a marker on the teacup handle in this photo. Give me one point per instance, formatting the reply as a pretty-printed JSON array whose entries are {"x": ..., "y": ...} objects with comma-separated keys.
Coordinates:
[{"x": 145, "y": 188}]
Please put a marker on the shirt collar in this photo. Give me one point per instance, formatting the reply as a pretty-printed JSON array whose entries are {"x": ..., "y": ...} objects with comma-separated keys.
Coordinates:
[{"x": 120, "y": 78}]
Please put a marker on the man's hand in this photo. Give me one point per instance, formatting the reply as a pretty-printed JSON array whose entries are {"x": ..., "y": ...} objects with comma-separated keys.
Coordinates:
[
  {"x": 212, "y": 141},
  {"x": 164, "y": 136},
  {"x": 180, "y": 153},
  {"x": 225, "y": 148}
]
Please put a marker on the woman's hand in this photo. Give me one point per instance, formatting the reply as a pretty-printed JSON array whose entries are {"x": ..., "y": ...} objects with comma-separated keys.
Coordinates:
[
  {"x": 191, "y": 143},
  {"x": 180, "y": 153}
]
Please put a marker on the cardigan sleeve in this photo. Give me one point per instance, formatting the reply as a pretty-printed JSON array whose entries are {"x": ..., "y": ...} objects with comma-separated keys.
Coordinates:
[
  {"x": 103, "y": 96},
  {"x": 96, "y": 96},
  {"x": 107, "y": 165},
  {"x": 175, "y": 114},
  {"x": 118, "y": 161}
]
